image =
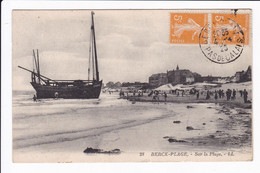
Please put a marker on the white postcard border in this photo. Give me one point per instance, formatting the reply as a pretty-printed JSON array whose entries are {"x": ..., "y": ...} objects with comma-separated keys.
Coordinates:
[{"x": 6, "y": 96}]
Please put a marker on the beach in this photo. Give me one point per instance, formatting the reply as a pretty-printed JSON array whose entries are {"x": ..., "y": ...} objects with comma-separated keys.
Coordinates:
[{"x": 60, "y": 130}]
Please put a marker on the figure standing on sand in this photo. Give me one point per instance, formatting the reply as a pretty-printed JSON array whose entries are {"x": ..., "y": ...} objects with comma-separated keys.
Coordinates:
[
  {"x": 34, "y": 98},
  {"x": 121, "y": 93},
  {"x": 234, "y": 94},
  {"x": 228, "y": 94},
  {"x": 198, "y": 95},
  {"x": 208, "y": 96},
  {"x": 216, "y": 95},
  {"x": 165, "y": 96},
  {"x": 156, "y": 95},
  {"x": 245, "y": 95},
  {"x": 56, "y": 94},
  {"x": 219, "y": 93}
]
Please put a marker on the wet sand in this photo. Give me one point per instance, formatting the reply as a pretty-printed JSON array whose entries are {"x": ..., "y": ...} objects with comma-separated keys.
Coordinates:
[{"x": 238, "y": 118}]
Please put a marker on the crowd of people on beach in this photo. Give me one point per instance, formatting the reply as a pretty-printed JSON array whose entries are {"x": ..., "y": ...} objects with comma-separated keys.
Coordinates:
[
  {"x": 229, "y": 94},
  {"x": 155, "y": 95}
]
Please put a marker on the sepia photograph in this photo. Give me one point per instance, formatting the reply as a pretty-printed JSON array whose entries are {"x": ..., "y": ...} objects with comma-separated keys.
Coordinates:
[{"x": 132, "y": 85}]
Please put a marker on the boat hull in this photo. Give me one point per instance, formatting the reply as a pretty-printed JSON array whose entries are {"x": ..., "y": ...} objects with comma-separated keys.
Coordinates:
[{"x": 68, "y": 92}]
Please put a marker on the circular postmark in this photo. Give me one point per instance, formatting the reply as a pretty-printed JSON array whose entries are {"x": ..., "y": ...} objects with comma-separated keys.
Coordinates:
[{"x": 222, "y": 42}]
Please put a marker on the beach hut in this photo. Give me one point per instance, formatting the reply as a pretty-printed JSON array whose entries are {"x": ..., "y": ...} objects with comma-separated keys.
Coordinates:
[
  {"x": 168, "y": 88},
  {"x": 204, "y": 86}
]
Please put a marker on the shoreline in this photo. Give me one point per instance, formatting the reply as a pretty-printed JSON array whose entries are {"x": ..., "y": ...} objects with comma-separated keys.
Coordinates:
[
  {"x": 223, "y": 136},
  {"x": 185, "y": 100}
]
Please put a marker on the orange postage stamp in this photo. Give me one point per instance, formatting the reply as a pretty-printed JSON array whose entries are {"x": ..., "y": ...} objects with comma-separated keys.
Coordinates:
[
  {"x": 231, "y": 22},
  {"x": 186, "y": 27}
]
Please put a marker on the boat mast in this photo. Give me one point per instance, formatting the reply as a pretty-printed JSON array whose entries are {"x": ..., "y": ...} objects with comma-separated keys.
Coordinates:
[
  {"x": 93, "y": 60},
  {"x": 38, "y": 60},
  {"x": 90, "y": 53},
  {"x": 95, "y": 48}
]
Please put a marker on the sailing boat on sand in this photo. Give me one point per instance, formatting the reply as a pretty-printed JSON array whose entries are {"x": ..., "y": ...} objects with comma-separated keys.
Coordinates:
[{"x": 69, "y": 89}]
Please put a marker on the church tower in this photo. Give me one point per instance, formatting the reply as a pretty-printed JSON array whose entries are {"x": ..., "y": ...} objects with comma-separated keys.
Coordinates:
[{"x": 177, "y": 68}]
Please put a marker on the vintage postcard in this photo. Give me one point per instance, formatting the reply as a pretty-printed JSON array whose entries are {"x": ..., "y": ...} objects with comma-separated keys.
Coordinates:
[{"x": 132, "y": 85}]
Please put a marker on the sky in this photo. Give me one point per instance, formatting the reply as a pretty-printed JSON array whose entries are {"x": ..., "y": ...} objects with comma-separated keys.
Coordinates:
[{"x": 131, "y": 46}]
